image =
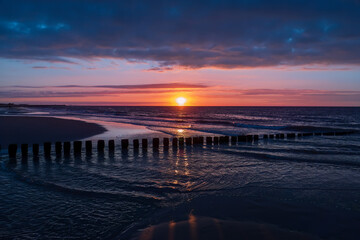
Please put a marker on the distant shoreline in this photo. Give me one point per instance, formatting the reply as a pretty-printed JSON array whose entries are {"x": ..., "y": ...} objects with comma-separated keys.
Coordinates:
[{"x": 29, "y": 129}]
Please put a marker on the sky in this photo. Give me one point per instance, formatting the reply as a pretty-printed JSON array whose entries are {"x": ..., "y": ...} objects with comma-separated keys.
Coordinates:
[{"x": 212, "y": 52}]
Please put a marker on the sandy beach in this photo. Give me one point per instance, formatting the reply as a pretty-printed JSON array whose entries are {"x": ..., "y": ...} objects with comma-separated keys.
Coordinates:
[{"x": 23, "y": 129}]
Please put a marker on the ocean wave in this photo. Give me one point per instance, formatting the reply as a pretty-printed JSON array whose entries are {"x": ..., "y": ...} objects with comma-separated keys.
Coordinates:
[
  {"x": 33, "y": 180},
  {"x": 259, "y": 126}
]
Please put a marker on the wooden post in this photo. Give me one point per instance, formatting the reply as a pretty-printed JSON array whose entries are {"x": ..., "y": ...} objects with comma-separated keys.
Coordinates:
[
  {"x": 88, "y": 146},
  {"x": 271, "y": 136},
  {"x": 241, "y": 138},
  {"x": 249, "y": 138},
  {"x": 233, "y": 139},
  {"x": 166, "y": 142},
  {"x": 265, "y": 136},
  {"x": 188, "y": 141},
  {"x": 282, "y": 136},
  {"x": 299, "y": 135},
  {"x": 144, "y": 143},
  {"x": 290, "y": 135},
  {"x": 181, "y": 141},
  {"x": 174, "y": 142},
  {"x": 124, "y": 144},
  {"x": 155, "y": 142},
  {"x": 256, "y": 137},
  {"x": 58, "y": 147},
  {"x": 24, "y": 150},
  {"x": 67, "y": 147},
  {"x": 35, "y": 148},
  {"x": 77, "y": 147},
  {"x": 12, "y": 149},
  {"x": 216, "y": 140},
  {"x": 209, "y": 140},
  {"x": 136, "y": 143},
  {"x": 111, "y": 144},
  {"x": 47, "y": 149},
  {"x": 100, "y": 145}
]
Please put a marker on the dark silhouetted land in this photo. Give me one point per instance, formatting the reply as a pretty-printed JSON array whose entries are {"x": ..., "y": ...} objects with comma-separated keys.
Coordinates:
[{"x": 15, "y": 129}]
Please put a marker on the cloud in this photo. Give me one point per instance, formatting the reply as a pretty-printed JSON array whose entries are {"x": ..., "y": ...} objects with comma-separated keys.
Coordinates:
[
  {"x": 138, "y": 86},
  {"x": 190, "y": 34},
  {"x": 73, "y": 94},
  {"x": 66, "y": 91},
  {"x": 45, "y": 67}
]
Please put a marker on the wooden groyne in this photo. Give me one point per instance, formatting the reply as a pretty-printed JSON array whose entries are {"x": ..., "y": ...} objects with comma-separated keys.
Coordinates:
[{"x": 65, "y": 148}]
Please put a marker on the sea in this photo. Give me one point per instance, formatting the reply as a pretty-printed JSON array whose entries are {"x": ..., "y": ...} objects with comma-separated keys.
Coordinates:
[{"x": 304, "y": 184}]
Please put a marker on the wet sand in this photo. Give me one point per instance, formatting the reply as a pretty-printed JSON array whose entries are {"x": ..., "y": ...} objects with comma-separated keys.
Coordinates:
[
  {"x": 23, "y": 129},
  {"x": 205, "y": 228}
]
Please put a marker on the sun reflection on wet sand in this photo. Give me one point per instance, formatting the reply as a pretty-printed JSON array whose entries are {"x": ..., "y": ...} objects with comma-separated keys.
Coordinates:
[
  {"x": 172, "y": 225},
  {"x": 193, "y": 227}
]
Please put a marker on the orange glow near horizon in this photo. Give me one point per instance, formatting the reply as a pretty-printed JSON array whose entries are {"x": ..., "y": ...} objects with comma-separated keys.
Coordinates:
[{"x": 206, "y": 96}]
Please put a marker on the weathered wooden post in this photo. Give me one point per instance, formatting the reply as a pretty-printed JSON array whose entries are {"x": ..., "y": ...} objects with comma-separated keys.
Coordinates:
[
  {"x": 290, "y": 135},
  {"x": 175, "y": 142},
  {"x": 201, "y": 140},
  {"x": 144, "y": 143},
  {"x": 58, "y": 147},
  {"x": 233, "y": 140},
  {"x": 271, "y": 136},
  {"x": 166, "y": 142},
  {"x": 24, "y": 150},
  {"x": 136, "y": 143},
  {"x": 181, "y": 141},
  {"x": 188, "y": 141},
  {"x": 111, "y": 144},
  {"x": 241, "y": 138},
  {"x": 155, "y": 142},
  {"x": 249, "y": 138},
  {"x": 35, "y": 148},
  {"x": 47, "y": 149},
  {"x": 256, "y": 137},
  {"x": 88, "y": 146},
  {"x": 282, "y": 136},
  {"x": 67, "y": 147},
  {"x": 195, "y": 140},
  {"x": 12, "y": 149},
  {"x": 77, "y": 147},
  {"x": 209, "y": 140},
  {"x": 124, "y": 144},
  {"x": 100, "y": 145},
  {"x": 216, "y": 140},
  {"x": 265, "y": 136}
]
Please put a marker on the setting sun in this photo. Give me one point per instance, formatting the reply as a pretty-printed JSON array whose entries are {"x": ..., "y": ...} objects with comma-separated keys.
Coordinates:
[{"x": 181, "y": 101}]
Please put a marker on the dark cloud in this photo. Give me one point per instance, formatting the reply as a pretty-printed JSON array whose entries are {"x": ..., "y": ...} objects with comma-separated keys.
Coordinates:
[
  {"x": 138, "y": 86},
  {"x": 68, "y": 91},
  {"x": 193, "y": 34},
  {"x": 72, "y": 94},
  {"x": 46, "y": 67}
]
